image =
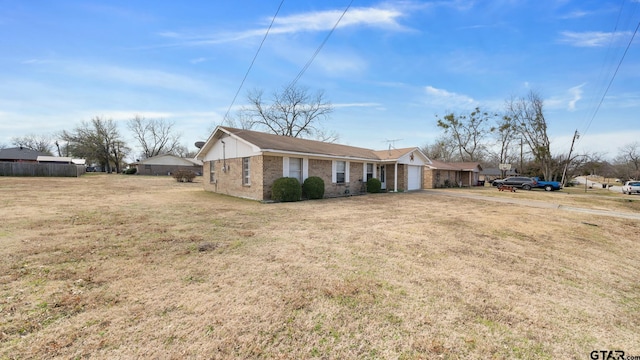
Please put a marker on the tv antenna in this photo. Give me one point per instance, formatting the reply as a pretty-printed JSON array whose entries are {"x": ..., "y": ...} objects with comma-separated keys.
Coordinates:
[{"x": 392, "y": 143}]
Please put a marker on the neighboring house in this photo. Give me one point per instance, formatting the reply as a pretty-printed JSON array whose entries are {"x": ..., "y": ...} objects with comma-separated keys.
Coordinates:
[
  {"x": 166, "y": 165},
  {"x": 20, "y": 154},
  {"x": 245, "y": 163},
  {"x": 440, "y": 174}
]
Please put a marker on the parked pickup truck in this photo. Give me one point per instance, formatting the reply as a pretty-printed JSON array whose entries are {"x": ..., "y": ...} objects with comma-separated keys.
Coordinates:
[
  {"x": 547, "y": 185},
  {"x": 631, "y": 187}
]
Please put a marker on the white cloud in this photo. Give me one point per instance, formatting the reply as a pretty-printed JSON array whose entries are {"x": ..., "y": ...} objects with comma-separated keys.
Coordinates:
[
  {"x": 347, "y": 105},
  {"x": 576, "y": 92},
  {"x": 318, "y": 21},
  {"x": 198, "y": 60},
  {"x": 591, "y": 38},
  {"x": 325, "y": 20},
  {"x": 577, "y": 14},
  {"x": 444, "y": 98},
  {"x": 141, "y": 77}
]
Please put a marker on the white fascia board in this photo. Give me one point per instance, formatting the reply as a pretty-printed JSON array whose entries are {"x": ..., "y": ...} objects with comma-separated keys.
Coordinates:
[{"x": 318, "y": 156}]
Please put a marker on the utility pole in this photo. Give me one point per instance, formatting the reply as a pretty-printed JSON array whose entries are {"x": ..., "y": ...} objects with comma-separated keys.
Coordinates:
[
  {"x": 566, "y": 165},
  {"x": 520, "y": 171}
]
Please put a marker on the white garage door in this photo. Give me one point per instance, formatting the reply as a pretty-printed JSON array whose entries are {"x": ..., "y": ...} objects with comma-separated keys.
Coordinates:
[{"x": 414, "y": 178}]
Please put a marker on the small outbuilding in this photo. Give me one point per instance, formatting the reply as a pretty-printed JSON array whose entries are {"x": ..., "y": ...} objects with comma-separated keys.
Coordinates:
[{"x": 167, "y": 164}]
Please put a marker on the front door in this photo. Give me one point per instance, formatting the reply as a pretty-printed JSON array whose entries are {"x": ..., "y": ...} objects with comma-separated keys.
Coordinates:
[{"x": 382, "y": 176}]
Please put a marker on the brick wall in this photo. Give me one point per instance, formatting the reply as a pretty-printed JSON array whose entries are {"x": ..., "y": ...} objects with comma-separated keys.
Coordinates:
[
  {"x": 428, "y": 178},
  {"x": 229, "y": 182},
  {"x": 266, "y": 169},
  {"x": 272, "y": 170}
]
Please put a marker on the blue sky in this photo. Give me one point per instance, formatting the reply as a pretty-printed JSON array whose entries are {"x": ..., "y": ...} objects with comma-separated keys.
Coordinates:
[{"x": 389, "y": 67}]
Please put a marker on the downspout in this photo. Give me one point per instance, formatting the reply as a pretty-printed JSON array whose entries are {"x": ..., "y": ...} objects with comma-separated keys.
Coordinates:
[{"x": 224, "y": 157}]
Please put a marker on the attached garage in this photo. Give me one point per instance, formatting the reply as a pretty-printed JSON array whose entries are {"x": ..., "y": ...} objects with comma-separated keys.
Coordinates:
[{"x": 414, "y": 177}]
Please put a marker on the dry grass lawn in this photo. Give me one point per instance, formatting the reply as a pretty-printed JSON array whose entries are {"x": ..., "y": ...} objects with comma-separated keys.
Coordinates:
[{"x": 114, "y": 266}]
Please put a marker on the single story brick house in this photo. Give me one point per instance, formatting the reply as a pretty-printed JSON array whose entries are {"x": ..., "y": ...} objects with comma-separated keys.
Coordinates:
[
  {"x": 166, "y": 165},
  {"x": 245, "y": 163},
  {"x": 440, "y": 174}
]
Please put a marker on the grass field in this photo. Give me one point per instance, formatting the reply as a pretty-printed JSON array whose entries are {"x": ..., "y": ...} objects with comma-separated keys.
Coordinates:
[{"x": 114, "y": 266}]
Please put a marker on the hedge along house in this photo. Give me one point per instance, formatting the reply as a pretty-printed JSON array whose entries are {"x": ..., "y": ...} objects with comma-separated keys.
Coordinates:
[{"x": 245, "y": 163}]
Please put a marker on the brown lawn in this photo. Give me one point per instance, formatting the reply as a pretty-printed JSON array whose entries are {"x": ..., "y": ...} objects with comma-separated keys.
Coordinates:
[{"x": 114, "y": 266}]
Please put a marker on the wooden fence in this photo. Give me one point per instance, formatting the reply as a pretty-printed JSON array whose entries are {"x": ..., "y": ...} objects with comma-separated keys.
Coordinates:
[{"x": 38, "y": 169}]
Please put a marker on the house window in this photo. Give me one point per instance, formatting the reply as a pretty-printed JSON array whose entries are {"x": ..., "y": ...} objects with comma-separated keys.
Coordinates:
[
  {"x": 369, "y": 171},
  {"x": 295, "y": 168},
  {"x": 213, "y": 171},
  {"x": 246, "y": 180},
  {"x": 341, "y": 167}
]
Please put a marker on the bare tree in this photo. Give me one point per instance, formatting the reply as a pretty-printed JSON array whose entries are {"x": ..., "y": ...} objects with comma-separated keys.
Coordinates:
[
  {"x": 184, "y": 152},
  {"x": 97, "y": 141},
  {"x": 443, "y": 149},
  {"x": 629, "y": 158},
  {"x": 504, "y": 133},
  {"x": 528, "y": 116},
  {"x": 291, "y": 112},
  {"x": 468, "y": 132},
  {"x": 155, "y": 136},
  {"x": 40, "y": 143}
]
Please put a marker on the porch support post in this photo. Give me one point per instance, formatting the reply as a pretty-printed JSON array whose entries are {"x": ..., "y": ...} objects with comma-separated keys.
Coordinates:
[{"x": 395, "y": 178}]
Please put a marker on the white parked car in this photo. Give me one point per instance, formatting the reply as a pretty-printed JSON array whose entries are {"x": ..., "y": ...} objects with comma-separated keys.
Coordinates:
[{"x": 631, "y": 187}]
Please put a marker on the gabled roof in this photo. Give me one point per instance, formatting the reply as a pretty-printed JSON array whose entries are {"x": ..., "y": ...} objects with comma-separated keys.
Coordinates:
[
  {"x": 393, "y": 154},
  {"x": 468, "y": 166},
  {"x": 285, "y": 144},
  {"x": 278, "y": 143},
  {"x": 456, "y": 166},
  {"x": 20, "y": 153}
]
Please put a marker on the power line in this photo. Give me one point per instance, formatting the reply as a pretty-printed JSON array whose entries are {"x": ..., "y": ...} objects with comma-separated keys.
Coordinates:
[
  {"x": 612, "y": 78},
  {"x": 608, "y": 62},
  {"x": 306, "y": 66},
  {"x": 253, "y": 61}
]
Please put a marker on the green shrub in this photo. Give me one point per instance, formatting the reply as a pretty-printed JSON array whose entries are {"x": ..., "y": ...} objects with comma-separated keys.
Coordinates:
[
  {"x": 313, "y": 187},
  {"x": 374, "y": 185},
  {"x": 184, "y": 175},
  {"x": 286, "y": 189},
  {"x": 131, "y": 171}
]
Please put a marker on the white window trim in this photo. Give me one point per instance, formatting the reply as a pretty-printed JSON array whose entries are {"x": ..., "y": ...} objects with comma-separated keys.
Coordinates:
[
  {"x": 285, "y": 167},
  {"x": 346, "y": 172},
  {"x": 334, "y": 173},
  {"x": 246, "y": 179},
  {"x": 305, "y": 167}
]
